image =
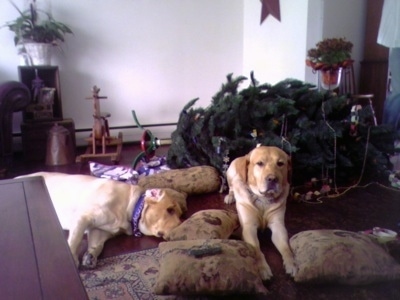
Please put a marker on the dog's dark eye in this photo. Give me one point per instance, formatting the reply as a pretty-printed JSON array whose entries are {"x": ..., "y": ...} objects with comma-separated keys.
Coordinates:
[
  {"x": 280, "y": 163},
  {"x": 260, "y": 164},
  {"x": 170, "y": 210}
]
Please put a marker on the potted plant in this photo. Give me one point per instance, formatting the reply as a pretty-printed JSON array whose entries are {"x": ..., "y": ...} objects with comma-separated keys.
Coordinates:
[
  {"x": 329, "y": 57},
  {"x": 37, "y": 33}
]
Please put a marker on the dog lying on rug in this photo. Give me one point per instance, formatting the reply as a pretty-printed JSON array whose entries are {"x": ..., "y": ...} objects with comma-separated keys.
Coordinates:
[
  {"x": 258, "y": 183},
  {"x": 104, "y": 208}
]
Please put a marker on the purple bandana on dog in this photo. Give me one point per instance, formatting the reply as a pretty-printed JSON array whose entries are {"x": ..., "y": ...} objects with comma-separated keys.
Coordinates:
[{"x": 137, "y": 212}]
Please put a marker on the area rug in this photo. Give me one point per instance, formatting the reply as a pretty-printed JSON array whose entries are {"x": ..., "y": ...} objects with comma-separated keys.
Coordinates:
[{"x": 123, "y": 277}]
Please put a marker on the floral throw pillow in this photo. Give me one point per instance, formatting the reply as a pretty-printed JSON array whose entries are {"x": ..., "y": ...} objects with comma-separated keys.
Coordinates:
[
  {"x": 208, "y": 267},
  {"x": 339, "y": 256},
  {"x": 206, "y": 224}
]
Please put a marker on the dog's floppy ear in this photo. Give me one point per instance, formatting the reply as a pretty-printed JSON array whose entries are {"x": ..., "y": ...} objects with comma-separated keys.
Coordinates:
[
  {"x": 289, "y": 169},
  {"x": 155, "y": 195},
  {"x": 242, "y": 164},
  {"x": 180, "y": 198}
]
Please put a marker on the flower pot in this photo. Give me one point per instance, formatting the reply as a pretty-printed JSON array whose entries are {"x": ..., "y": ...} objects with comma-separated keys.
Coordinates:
[
  {"x": 330, "y": 78},
  {"x": 39, "y": 54}
]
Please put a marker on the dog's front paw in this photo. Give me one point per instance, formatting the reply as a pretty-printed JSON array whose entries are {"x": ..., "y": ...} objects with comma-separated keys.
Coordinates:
[
  {"x": 89, "y": 261},
  {"x": 265, "y": 271},
  {"x": 76, "y": 260},
  {"x": 229, "y": 199},
  {"x": 290, "y": 267}
]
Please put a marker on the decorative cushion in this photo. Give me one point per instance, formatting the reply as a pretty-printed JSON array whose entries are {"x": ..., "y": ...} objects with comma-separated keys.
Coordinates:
[
  {"x": 208, "y": 267},
  {"x": 193, "y": 180},
  {"x": 155, "y": 174},
  {"x": 339, "y": 256},
  {"x": 206, "y": 224}
]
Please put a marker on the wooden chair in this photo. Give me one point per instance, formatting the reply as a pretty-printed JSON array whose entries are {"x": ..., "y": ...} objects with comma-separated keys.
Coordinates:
[{"x": 348, "y": 87}]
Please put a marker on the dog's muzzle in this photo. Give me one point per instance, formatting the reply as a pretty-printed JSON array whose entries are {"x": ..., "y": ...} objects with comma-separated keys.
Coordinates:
[{"x": 272, "y": 185}]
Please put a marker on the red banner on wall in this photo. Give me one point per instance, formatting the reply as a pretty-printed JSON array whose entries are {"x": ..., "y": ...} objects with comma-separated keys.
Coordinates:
[{"x": 270, "y": 7}]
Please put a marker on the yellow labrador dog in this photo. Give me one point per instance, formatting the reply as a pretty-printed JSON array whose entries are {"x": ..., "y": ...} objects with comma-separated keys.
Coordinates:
[
  {"x": 103, "y": 208},
  {"x": 258, "y": 182}
]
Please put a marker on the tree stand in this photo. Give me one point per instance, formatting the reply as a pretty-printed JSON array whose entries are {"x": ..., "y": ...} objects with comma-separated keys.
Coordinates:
[{"x": 100, "y": 139}]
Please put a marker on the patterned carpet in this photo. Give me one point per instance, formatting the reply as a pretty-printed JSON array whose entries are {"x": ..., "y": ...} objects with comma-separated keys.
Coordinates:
[{"x": 123, "y": 277}]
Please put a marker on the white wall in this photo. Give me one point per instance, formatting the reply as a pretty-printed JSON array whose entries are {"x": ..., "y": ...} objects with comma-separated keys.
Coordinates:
[
  {"x": 154, "y": 56},
  {"x": 315, "y": 26},
  {"x": 344, "y": 18},
  {"x": 275, "y": 50},
  {"x": 148, "y": 55}
]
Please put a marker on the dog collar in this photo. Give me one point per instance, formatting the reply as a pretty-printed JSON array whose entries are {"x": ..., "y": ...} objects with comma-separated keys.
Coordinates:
[{"x": 137, "y": 212}]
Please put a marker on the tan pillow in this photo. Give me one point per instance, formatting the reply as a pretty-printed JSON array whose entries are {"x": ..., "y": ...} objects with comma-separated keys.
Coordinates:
[
  {"x": 208, "y": 267},
  {"x": 193, "y": 180},
  {"x": 206, "y": 224},
  {"x": 339, "y": 256}
]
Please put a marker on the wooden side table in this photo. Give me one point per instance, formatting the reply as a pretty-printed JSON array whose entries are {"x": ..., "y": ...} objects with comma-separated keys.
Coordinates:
[{"x": 35, "y": 260}]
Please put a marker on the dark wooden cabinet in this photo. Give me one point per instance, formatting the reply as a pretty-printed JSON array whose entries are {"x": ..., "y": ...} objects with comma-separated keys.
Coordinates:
[
  {"x": 374, "y": 80},
  {"x": 44, "y": 111},
  {"x": 374, "y": 66},
  {"x": 44, "y": 84}
]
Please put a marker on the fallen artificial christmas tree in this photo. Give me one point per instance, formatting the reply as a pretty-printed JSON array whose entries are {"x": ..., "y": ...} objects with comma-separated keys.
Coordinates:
[{"x": 316, "y": 128}]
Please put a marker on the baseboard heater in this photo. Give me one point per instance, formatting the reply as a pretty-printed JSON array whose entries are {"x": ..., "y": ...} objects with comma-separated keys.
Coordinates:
[{"x": 130, "y": 133}]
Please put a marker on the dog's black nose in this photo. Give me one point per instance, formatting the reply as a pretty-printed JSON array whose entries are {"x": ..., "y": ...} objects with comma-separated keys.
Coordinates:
[
  {"x": 160, "y": 234},
  {"x": 272, "y": 182}
]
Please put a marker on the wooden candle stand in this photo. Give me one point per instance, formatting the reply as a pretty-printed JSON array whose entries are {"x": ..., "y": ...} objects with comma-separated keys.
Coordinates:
[{"x": 100, "y": 140}]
